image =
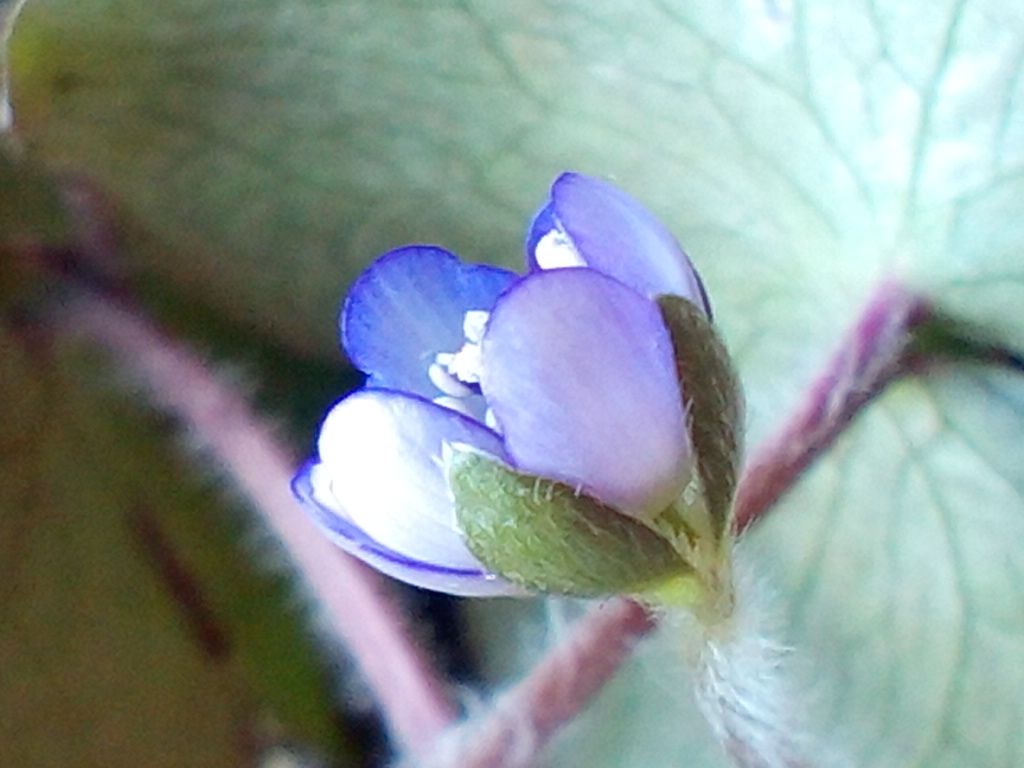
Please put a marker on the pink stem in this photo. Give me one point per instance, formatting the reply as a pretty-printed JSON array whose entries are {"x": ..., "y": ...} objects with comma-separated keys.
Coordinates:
[
  {"x": 522, "y": 722},
  {"x": 556, "y": 690},
  {"x": 871, "y": 356},
  {"x": 562, "y": 685},
  {"x": 179, "y": 382}
]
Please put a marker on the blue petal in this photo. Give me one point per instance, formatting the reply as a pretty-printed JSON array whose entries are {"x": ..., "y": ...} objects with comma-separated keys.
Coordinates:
[
  {"x": 466, "y": 582},
  {"x": 407, "y": 307},
  {"x": 613, "y": 233},
  {"x": 379, "y": 487},
  {"x": 580, "y": 373}
]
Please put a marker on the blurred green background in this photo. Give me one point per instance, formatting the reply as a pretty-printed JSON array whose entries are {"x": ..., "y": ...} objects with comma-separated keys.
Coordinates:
[{"x": 251, "y": 157}]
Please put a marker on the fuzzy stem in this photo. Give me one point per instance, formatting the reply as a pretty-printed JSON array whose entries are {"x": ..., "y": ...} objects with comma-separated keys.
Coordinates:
[
  {"x": 178, "y": 381},
  {"x": 875, "y": 352},
  {"x": 741, "y": 682},
  {"x": 524, "y": 719}
]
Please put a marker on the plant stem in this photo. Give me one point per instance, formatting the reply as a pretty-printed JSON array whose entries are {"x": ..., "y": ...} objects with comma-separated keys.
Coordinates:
[
  {"x": 874, "y": 353},
  {"x": 523, "y": 720},
  {"x": 178, "y": 381}
]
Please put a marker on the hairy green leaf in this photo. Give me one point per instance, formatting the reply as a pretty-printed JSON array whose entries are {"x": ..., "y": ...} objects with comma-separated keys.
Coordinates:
[
  {"x": 550, "y": 537},
  {"x": 714, "y": 405}
]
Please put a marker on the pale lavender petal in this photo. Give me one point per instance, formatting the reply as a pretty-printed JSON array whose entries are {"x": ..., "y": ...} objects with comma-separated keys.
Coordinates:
[
  {"x": 381, "y": 478},
  {"x": 593, "y": 223},
  {"x": 407, "y": 307},
  {"x": 312, "y": 487},
  {"x": 580, "y": 373}
]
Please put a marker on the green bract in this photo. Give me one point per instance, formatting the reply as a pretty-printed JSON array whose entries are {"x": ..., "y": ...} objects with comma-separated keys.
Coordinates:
[
  {"x": 714, "y": 406},
  {"x": 547, "y": 536}
]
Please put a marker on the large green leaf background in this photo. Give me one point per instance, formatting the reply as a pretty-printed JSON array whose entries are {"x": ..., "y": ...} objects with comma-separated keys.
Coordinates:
[{"x": 260, "y": 153}]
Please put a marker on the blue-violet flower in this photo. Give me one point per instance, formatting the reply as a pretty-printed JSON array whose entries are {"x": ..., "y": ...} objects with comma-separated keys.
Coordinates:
[{"x": 568, "y": 374}]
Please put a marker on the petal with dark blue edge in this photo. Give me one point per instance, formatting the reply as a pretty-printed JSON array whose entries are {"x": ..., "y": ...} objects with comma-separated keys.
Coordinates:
[
  {"x": 580, "y": 373},
  {"x": 593, "y": 223},
  {"x": 312, "y": 487},
  {"x": 379, "y": 486},
  {"x": 408, "y": 306}
]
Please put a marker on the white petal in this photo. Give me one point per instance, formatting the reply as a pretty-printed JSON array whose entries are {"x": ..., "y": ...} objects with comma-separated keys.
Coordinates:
[
  {"x": 382, "y": 452},
  {"x": 312, "y": 487}
]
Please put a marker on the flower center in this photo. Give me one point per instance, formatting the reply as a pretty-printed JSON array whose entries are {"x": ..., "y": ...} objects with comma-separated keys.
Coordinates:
[{"x": 457, "y": 374}]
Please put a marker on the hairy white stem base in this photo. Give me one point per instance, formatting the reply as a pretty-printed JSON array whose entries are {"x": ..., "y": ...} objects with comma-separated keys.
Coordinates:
[{"x": 743, "y": 682}]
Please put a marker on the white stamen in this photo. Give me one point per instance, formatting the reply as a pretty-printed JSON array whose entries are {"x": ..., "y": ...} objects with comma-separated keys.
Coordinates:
[
  {"x": 454, "y": 373},
  {"x": 441, "y": 377},
  {"x": 454, "y": 403},
  {"x": 467, "y": 364},
  {"x": 474, "y": 324},
  {"x": 556, "y": 250}
]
